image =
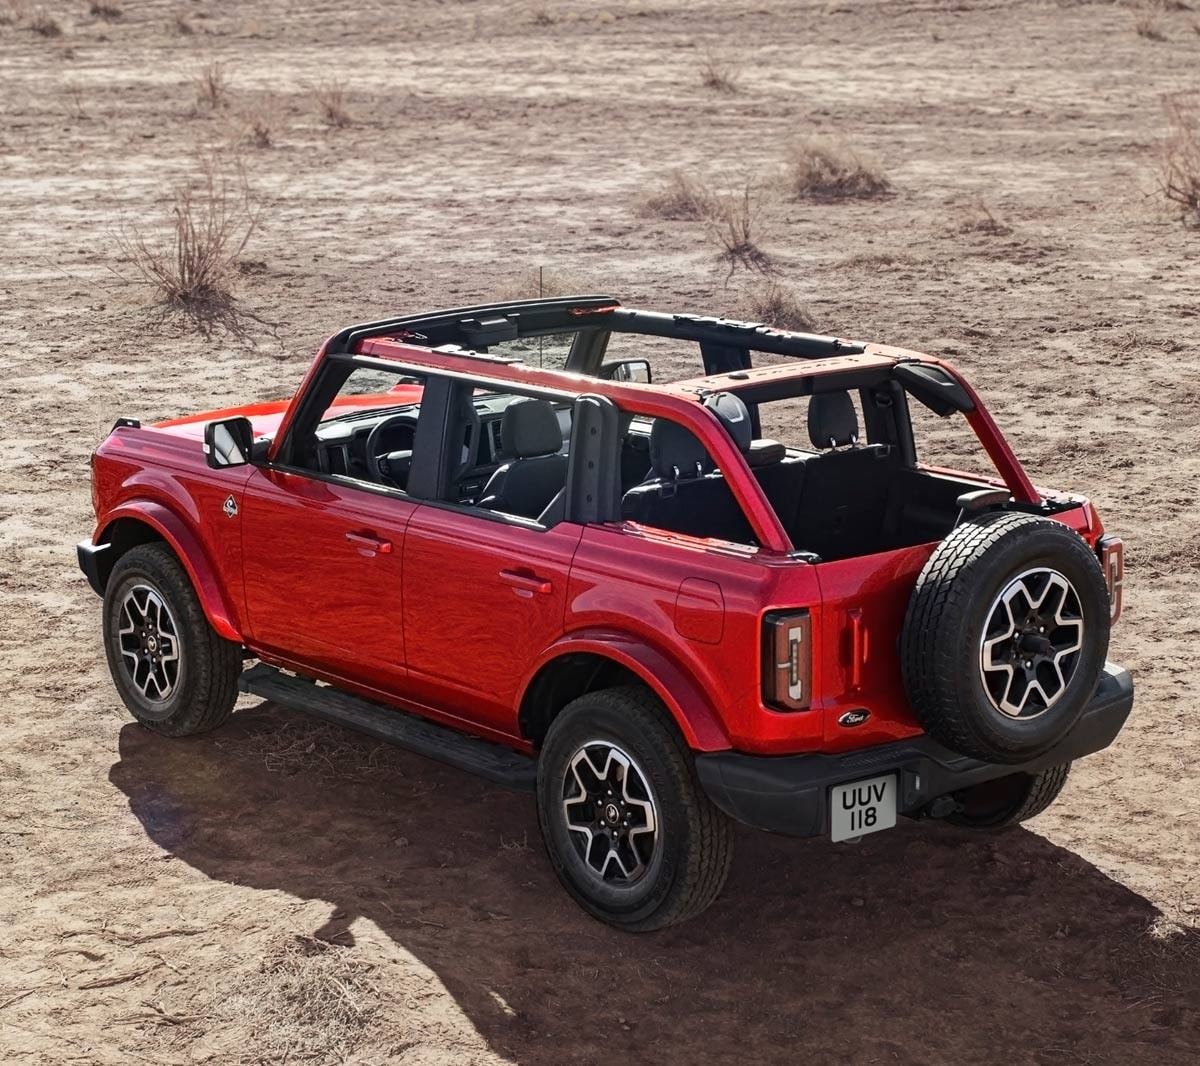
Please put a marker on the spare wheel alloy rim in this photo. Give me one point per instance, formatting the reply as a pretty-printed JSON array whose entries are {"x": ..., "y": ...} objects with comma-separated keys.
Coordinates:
[
  {"x": 610, "y": 812},
  {"x": 1031, "y": 643},
  {"x": 149, "y": 643}
]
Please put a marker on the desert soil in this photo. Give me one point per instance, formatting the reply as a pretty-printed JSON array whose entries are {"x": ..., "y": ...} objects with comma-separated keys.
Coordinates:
[{"x": 284, "y": 891}]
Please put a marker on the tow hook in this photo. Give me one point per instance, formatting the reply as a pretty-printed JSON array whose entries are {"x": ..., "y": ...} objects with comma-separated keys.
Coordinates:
[{"x": 942, "y": 807}]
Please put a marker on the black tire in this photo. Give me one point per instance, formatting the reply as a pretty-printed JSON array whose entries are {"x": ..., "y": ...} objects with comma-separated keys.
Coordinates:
[
  {"x": 204, "y": 676},
  {"x": 686, "y": 867},
  {"x": 1008, "y": 801},
  {"x": 941, "y": 647}
]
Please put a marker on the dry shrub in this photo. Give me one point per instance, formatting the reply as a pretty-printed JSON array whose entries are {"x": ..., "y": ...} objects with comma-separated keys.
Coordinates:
[
  {"x": 820, "y": 170},
  {"x": 680, "y": 197},
  {"x": 195, "y": 268},
  {"x": 542, "y": 17},
  {"x": 106, "y": 11},
  {"x": 260, "y": 121},
  {"x": 75, "y": 95},
  {"x": 331, "y": 102},
  {"x": 309, "y": 1001},
  {"x": 718, "y": 75},
  {"x": 733, "y": 227},
  {"x": 183, "y": 24},
  {"x": 44, "y": 24},
  {"x": 546, "y": 282},
  {"x": 212, "y": 90},
  {"x": 773, "y": 305},
  {"x": 11, "y": 12},
  {"x": 980, "y": 219},
  {"x": 1147, "y": 26},
  {"x": 1179, "y": 163}
]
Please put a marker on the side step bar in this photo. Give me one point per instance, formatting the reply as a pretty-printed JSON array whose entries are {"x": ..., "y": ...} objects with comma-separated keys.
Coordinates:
[{"x": 480, "y": 757}]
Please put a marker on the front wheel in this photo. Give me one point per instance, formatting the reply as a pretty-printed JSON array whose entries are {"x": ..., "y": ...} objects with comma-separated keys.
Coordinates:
[
  {"x": 1009, "y": 800},
  {"x": 174, "y": 673},
  {"x": 629, "y": 831}
]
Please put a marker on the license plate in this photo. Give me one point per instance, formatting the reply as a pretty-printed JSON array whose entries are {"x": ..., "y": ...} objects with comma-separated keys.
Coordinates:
[{"x": 863, "y": 807}]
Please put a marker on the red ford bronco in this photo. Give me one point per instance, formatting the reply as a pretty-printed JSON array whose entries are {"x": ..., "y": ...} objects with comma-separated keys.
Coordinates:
[{"x": 623, "y": 594}]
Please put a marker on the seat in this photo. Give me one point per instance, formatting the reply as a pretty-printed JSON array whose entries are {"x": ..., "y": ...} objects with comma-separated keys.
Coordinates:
[
  {"x": 780, "y": 475},
  {"x": 537, "y": 471},
  {"x": 845, "y": 490},
  {"x": 684, "y": 494}
]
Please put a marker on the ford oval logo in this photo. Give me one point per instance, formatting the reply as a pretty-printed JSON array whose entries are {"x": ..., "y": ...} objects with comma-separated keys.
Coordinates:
[{"x": 853, "y": 718}]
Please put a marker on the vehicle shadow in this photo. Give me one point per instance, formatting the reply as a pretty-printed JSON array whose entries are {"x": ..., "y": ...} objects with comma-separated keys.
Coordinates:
[{"x": 928, "y": 944}]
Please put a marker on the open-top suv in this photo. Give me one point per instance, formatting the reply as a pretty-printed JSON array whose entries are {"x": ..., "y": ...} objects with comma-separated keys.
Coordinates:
[{"x": 631, "y": 596}]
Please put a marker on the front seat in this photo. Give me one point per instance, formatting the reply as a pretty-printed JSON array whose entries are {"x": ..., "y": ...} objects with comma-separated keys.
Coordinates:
[{"x": 531, "y": 435}]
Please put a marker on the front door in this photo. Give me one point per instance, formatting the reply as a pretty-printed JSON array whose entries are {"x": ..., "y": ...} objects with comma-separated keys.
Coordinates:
[
  {"x": 323, "y": 571},
  {"x": 483, "y": 597}
]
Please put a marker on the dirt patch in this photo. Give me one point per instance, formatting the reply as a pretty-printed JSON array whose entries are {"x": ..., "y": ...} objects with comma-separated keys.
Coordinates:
[{"x": 161, "y": 898}]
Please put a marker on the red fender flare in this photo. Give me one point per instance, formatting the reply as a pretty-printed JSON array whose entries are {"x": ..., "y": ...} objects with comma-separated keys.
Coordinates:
[
  {"x": 184, "y": 542},
  {"x": 698, "y": 721}
]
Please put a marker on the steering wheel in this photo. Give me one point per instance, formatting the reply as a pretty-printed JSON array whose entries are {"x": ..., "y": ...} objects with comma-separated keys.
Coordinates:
[{"x": 390, "y": 468}]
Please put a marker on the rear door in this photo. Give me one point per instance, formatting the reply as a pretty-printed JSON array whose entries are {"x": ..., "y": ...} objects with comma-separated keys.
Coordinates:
[{"x": 483, "y": 597}]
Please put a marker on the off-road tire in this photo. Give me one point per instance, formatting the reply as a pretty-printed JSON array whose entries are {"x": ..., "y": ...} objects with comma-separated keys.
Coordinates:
[
  {"x": 1008, "y": 801},
  {"x": 696, "y": 846},
  {"x": 944, "y": 627},
  {"x": 206, "y": 689}
]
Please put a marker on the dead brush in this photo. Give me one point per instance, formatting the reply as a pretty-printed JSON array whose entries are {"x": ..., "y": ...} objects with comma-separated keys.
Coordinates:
[
  {"x": 331, "y": 104},
  {"x": 194, "y": 269},
  {"x": 106, "y": 12},
  {"x": 1179, "y": 159},
  {"x": 11, "y": 12},
  {"x": 183, "y": 24},
  {"x": 44, "y": 24},
  {"x": 309, "y": 1000},
  {"x": 1147, "y": 25},
  {"x": 980, "y": 219},
  {"x": 774, "y": 305},
  {"x": 719, "y": 75},
  {"x": 259, "y": 122},
  {"x": 212, "y": 89},
  {"x": 733, "y": 227},
  {"x": 821, "y": 170},
  {"x": 679, "y": 198}
]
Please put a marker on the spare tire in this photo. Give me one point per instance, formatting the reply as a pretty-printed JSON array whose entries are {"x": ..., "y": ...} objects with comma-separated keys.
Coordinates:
[{"x": 1005, "y": 636}]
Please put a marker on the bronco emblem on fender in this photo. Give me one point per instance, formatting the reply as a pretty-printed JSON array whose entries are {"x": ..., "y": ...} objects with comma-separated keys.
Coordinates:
[{"x": 230, "y": 507}]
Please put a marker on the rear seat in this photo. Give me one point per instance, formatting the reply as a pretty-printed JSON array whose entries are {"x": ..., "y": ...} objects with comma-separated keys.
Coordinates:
[{"x": 684, "y": 494}]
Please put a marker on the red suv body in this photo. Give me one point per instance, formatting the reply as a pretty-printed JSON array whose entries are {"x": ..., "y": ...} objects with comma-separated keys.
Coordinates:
[{"x": 430, "y": 526}]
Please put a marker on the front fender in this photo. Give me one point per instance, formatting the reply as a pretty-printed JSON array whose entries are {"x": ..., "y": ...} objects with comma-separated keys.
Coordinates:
[
  {"x": 184, "y": 542},
  {"x": 689, "y": 706}
]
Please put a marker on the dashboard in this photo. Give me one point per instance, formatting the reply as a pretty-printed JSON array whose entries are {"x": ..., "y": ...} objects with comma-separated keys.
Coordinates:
[{"x": 342, "y": 443}]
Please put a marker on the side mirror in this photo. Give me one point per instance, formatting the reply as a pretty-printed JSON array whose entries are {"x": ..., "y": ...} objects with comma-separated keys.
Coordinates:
[
  {"x": 228, "y": 442},
  {"x": 627, "y": 370}
]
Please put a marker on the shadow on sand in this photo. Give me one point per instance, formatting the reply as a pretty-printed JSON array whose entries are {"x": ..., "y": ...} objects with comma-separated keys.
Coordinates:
[{"x": 928, "y": 944}]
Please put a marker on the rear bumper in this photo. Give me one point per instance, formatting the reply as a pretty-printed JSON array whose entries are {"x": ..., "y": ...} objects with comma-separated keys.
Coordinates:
[
  {"x": 790, "y": 793},
  {"x": 89, "y": 555}
]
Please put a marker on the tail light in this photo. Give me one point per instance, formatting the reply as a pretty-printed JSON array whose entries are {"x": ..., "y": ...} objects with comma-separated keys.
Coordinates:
[
  {"x": 1112, "y": 559},
  {"x": 787, "y": 660}
]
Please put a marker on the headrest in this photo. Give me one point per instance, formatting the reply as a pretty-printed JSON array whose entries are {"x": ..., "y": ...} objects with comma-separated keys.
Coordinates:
[
  {"x": 734, "y": 416},
  {"x": 529, "y": 428},
  {"x": 765, "y": 452},
  {"x": 675, "y": 451},
  {"x": 832, "y": 421}
]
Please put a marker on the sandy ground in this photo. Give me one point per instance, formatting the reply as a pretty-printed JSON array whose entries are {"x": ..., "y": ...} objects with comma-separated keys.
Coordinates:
[{"x": 281, "y": 891}]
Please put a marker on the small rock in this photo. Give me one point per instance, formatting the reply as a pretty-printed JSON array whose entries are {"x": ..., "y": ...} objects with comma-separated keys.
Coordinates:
[{"x": 858, "y": 901}]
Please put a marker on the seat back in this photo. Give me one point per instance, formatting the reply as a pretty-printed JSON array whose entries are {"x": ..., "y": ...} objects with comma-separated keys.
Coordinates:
[
  {"x": 684, "y": 494},
  {"x": 530, "y": 432},
  {"x": 844, "y": 495}
]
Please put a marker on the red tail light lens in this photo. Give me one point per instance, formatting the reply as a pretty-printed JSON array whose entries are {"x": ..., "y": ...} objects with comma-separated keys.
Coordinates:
[
  {"x": 1112, "y": 559},
  {"x": 787, "y": 660}
]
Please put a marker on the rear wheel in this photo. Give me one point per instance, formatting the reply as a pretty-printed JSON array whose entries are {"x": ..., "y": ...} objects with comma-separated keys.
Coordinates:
[
  {"x": 628, "y": 829},
  {"x": 1009, "y": 800},
  {"x": 173, "y": 672}
]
